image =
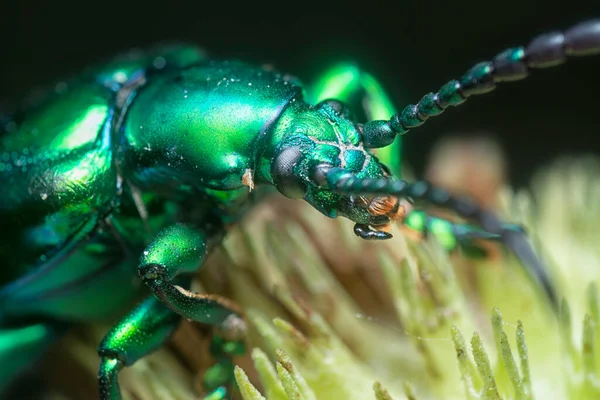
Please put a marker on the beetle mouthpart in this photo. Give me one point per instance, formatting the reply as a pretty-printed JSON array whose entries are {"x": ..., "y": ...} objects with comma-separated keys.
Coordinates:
[
  {"x": 387, "y": 228},
  {"x": 391, "y": 207},
  {"x": 368, "y": 232}
]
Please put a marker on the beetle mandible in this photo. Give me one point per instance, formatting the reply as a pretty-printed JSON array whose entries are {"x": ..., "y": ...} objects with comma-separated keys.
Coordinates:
[{"x": 136, "y": 168}]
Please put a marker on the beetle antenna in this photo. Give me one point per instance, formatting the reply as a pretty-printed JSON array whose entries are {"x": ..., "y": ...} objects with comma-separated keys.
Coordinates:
[
  {"x": 344, "y": 182},
  {"x": 547, "y": 50}
]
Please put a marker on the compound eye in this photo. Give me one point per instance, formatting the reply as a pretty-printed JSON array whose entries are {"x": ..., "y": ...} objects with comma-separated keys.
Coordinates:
[{"x": 282, "y": 171}]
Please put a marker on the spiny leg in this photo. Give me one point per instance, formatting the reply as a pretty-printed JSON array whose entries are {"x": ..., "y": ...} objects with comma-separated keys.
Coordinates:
[
  {"x": 21, "y": 346},
  {"x": 345, "y": 85},
  {"x": 166, "y": 267}
]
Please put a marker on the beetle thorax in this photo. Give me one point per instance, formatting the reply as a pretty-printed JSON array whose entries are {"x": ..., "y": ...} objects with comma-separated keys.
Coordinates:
[{"x": 201, "y": 126}]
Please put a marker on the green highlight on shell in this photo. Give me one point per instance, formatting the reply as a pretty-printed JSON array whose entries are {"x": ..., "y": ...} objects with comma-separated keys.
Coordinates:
[{"x": 334, "y": 317}]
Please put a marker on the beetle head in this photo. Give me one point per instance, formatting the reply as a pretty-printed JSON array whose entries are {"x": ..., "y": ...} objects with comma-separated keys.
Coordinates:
[{"x": 318, "y": 140}]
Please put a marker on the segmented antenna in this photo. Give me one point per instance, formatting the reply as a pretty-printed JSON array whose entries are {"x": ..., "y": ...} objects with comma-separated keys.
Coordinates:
[{"x": 544, "y": 51}]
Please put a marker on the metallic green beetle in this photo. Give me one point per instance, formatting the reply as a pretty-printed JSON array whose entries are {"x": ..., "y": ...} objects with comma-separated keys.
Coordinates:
[{"x": 136, "y": 168}]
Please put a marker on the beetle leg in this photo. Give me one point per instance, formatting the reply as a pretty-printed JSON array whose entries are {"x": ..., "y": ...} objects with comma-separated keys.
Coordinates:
[
  {"x": 343, "y": 182},
  {"x": 450, "y": 235},
  {"x": 359, "y": 90},
  {"x": 21, "y": 346},
  {"x": 177, "y": 251},
  {"x": 145, "y": 329}
]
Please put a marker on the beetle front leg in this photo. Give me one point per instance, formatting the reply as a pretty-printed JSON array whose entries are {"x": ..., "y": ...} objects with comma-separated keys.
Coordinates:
[
  {"x": 165, "y": 268},
  {"x": 177, "y": 251}
]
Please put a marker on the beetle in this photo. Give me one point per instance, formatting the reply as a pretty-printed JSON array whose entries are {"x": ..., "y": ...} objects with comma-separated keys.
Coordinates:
[{"x": 122, "y": 179}]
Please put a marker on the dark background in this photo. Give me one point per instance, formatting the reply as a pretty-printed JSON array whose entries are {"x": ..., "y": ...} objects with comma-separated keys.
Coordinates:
[{"x": 412, "y": 46}]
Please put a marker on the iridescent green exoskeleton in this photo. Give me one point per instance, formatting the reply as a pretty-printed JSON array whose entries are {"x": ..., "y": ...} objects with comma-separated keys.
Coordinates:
[{"x": 123, "y": 179}]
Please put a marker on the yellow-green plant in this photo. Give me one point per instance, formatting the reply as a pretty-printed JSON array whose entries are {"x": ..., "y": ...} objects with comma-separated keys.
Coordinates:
[{"x": 335, "y": 317}]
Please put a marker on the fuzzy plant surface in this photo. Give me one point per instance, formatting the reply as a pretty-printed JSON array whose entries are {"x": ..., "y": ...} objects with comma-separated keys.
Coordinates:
[{"x": 334, "y": 317}]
